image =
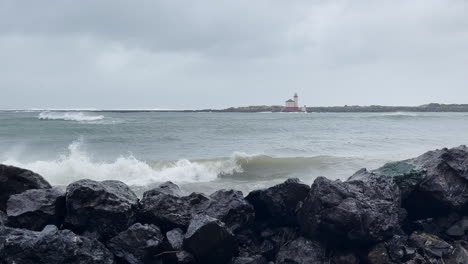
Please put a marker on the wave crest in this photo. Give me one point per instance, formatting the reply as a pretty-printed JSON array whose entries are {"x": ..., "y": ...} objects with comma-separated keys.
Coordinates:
[{"x": 69, "y": 116}]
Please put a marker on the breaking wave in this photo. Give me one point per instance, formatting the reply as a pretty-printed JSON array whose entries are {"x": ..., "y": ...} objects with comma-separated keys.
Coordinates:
[
  {"x": 69, "y": 116},
  {"x": 77, "y": 164}
]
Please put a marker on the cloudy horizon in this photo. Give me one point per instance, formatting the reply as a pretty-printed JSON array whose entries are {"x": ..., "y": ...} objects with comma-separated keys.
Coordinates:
[{"x": 217, "y": 54}]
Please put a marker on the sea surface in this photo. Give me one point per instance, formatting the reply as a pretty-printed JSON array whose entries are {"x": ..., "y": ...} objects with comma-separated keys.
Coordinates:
[{"x": 207, "y": 151}]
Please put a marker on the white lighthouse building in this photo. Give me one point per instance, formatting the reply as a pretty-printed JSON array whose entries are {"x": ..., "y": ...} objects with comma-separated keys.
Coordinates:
[{"x": 293, "y": 105}]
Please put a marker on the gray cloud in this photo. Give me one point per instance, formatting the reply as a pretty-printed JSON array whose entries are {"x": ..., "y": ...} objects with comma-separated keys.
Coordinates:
[{"x": 185, "y": 54}]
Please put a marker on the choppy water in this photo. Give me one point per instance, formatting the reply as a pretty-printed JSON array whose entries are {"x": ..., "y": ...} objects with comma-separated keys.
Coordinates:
[{"x": 208, "y": 151}]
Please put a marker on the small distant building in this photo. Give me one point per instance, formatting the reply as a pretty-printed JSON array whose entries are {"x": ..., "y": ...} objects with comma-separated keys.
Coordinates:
[{"x": 293, "y": 105}]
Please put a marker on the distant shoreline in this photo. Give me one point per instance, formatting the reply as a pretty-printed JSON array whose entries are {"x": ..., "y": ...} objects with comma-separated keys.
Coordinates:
[{"x": 433, "y": 107}]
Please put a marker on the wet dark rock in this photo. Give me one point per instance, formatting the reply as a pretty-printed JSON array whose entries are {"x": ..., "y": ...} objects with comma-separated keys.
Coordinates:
[
  {"x": 343, "y": 257},
  {"x": 230, "y": 207},
  {"x": 430, "y": 245},
  {"x": 175, "y": 237},
  {"x": 278, "y": 204},
  {"x": 166, "y": 207},
  {"x": 51, "y": 246},
  {"x": 210, "y": 240},
  {"x": 166, "y": 188},
  {"x": 170, "y": 211},
  {"x": 459, "y": 228},
  {"x": 459, "y": 255},
  {"x": 379, "y": 255},
  {"x": 34, "y": 209},
  {"x": 100, "y": 209},
  {"x": 15, "y": 180},
  {"x": 301, "y": 250},
  {"x": 138, "y": 244},
  {"x": 359, "y": 211},
  {"x": 3, "y": 218},
  {"x": 249, "y": 260},
  {"x": 445, "y": 186},
  {"x": 436, "y": 225}
]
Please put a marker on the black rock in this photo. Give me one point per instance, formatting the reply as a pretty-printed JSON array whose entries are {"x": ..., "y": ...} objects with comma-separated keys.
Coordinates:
[
  {"x": 3, "y": 218},
  {"x": 175, "y": 237},
  {"x": 278, "y": 204},
  {"x": 165, "y": 207},
  {"x": 100, "y": 209},
  {"x": 230, "y": 207},
  {"x": 51, "y": 246},
  {"x": 458, "y": 229},
  {"x": 429, "y": 244},
  {"x": 249, "y": 260},
  {"x": 358, "y": 211},
  {"x": 301, "y": 250},
  {"x": 15, "y": 180},
  {"x": 34, "y": 209},
  {"x": 459, "y": 255},
  {"x": 445, "y": 186},
  {"x": 138, "y": 244},
  {"x": 210, "y": 240},
  {"x": 171, "y": 211}
]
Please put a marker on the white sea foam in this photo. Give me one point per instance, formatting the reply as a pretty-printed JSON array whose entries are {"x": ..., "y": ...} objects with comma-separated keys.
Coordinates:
[
  {"x": 77, "y": 164},
  {"x": 69, "y": 116}
]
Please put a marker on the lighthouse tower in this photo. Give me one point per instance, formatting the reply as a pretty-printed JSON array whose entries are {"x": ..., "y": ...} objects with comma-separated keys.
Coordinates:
[{"x": 296, "y": 100}]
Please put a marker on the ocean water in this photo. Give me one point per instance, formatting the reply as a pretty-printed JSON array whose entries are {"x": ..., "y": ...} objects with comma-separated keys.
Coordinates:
[{"x": 208, "y": 151}]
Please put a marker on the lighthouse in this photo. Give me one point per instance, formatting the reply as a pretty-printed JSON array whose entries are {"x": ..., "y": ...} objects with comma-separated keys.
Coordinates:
[
  {"x": 292, "y": 105},
  {"x": 296, "y": 100}
]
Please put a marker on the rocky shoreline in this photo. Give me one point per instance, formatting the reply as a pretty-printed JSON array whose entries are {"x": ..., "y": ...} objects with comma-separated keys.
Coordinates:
[{"x": 412, "y": 211}]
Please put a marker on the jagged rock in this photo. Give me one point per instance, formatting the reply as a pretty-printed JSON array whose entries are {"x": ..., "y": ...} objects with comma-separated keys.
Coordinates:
[
  {"x": 175, "y": 237},
  {"x": 210, "y": 240},
  {"x": 379, "y": 255},
  {"x": 51, "y": 246},
  {"x": 358, "y": 211},
  {"x": 459, "y": 228},
  {"x": 166, "y": 188},
  {"x": 445, "y": 186},
  {"x": 459, "y": 255},
  {"x": 405, "y": 175},
  {"x": 166, "y": 207},
  {"x": 34, "y": 209},
  {"x": 278, "y": 204},
  {"x": 3, "y": 218},
  {"x": 138, "y": 244},
  {"x": 430, "y": 244},
  {"x": 230, "y": 207},
  {"x": 249, "y": 260},
  {"x": 436, "y": 225},
  {"x": 100, "y": 209},
  {"x": 15, "y": 180},
  {"x": 301, "y": 250},
  {"x": 171, "y": 211}
]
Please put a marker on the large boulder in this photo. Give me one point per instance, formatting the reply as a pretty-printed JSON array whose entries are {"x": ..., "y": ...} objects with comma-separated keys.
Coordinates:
[
  {"x": 138, "y": 244},
  {"x": 15, "y": 180},
  {"x": 210, "y": 240},
  {"x": 278, "y": 204},
  {"x": 445, "y": 186},
  {"x": 100, "y": 209},
  {"x": 230, "y": 207},
  {"x": 34, "y": 209},
  {"x": 358, "y": 211},
  {"x": 168, "y": 208},
  {"x": 51, "y": 246}
]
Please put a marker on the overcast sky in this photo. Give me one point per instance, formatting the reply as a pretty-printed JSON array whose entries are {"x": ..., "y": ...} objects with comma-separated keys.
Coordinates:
[{"x": 213, "y": 53}]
